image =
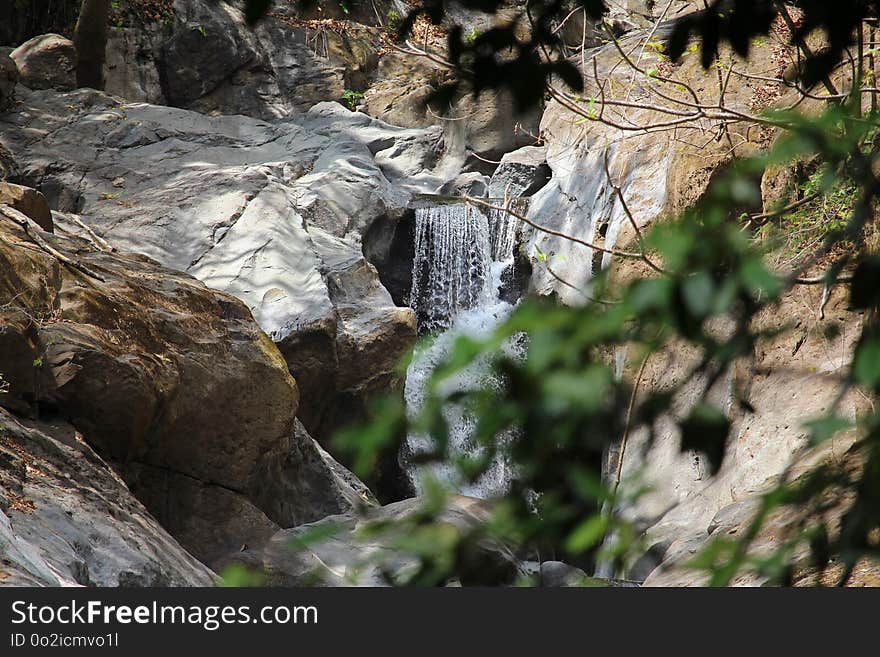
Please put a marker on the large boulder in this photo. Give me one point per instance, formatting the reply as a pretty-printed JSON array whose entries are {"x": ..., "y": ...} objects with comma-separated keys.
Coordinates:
[
  {"x": 272, "y": 213},
  {"x": 47, "y": 61},
  {"x": 66, "y": 518},
  {"x": 171, "y": 383}
]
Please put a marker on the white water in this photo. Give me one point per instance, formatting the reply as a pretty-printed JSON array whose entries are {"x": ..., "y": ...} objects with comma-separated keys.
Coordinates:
[{"x": 460, "y": 255}]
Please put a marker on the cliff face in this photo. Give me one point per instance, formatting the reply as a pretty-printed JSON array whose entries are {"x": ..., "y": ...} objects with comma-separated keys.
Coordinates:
[{"x": 244, "y": 238}]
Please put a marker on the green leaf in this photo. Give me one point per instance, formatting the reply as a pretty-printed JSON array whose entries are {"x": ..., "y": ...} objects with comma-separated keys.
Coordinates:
[
  {"x": 827, "y": 427},
  {"x": 698, "y": 291},
  {"x": 866, "y": 363},
  {"x": 587, "y": 534}
]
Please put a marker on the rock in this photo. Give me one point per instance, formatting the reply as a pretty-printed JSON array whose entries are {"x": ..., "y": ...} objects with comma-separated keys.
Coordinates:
[
  {"x": 8, "y": 167},
  {"x": 47, "y": 61},
  {"x": 272, "y": 213},
  {"x": 204, "y": 51},
  {"x": 27, "y": 201},
  {"x": 8, "y": 80},
  {"x": 344, "y": 559},
  {"x": 467, "y": 184},
  {"x": 488, "y": 126},
  {"x": 208, "y": 59},
  {"x": 557, "y": 573},
  {"x": 66, "y": 518},
  {"x": 171, "y": 383},
  {"x": 521, "y": 173}
]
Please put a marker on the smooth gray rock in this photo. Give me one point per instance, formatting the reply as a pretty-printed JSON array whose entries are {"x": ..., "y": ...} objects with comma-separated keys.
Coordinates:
[
  {"x": 47, "y": 61},
  {"x": 521, "y": 173},
  {"x": 272, "y": 213},
  {"x": 467, "y": 184},
  {"x": 67, "y": 519}
]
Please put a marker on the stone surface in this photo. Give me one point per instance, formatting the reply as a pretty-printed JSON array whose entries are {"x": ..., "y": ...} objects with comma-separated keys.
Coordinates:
[
  {"x": 206, "y": 58},
  {"x": 8, "y": 80},
  {"x": 521, "y": 173},
  {"x": 67, "y": 519},
  {"x": 270, "y": 212},
  {"x": 28, "y": 201},
  {"x": 346, "y": 560},
  {"x": 47, "y": 61},
  {"x": 171, "y": 383},
  {"x": 486, "y": 127},
  {"x": 472, "y": 183}
]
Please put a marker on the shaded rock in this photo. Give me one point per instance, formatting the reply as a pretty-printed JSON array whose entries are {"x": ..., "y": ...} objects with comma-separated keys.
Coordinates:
[
  {"x": 28, "y": 201},
  {"x": 47, "y": 61},
  {"x": 557, "y": 573},
  {"x": 170, "y": 382},
  {"x": 521, "y": 173},
  {"x": 345, "y": 560},
  {"x": 8, "y": 80},
  {"x": 488, "y": 126},
  {"x": 67, "y": 519},
  {"x": 8, "y": 167},
  {"x": 208, "y": 59},
  {"x": 467, "y": 184}
]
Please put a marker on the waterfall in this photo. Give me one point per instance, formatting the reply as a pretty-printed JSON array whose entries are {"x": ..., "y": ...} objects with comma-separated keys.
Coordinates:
[{"x": 460, "y": 256}]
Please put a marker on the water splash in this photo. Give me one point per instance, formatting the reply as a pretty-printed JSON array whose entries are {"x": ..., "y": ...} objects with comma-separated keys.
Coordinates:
[{"x": 460, "y": 256}]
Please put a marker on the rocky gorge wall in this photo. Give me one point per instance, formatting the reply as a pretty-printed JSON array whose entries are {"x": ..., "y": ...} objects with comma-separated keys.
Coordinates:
[{"x": 244, "y": 237}]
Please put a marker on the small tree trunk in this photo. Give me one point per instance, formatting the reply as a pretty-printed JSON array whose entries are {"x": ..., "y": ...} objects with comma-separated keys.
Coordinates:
[{"x": 90, "y": 39}]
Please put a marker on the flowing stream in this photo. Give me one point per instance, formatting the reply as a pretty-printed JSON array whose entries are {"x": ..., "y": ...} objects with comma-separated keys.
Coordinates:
[{"x": 461, "y": 254}]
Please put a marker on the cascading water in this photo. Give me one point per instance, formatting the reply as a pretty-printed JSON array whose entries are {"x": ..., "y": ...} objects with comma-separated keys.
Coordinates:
[{"x": 460, "y": 256}]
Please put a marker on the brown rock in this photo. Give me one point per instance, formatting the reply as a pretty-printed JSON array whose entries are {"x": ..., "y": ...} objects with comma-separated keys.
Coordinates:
[
  {"x": 27, "y": 201},
  {"x": 172, "y": 383},
  {"x": 47, "y": 61}
]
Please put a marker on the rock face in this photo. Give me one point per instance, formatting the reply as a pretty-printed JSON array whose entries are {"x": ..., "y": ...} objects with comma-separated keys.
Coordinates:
[
  {"x": 47, "y": 61},
  {"x": 204, "y": 57},
  {"x": 791, "y": 378},
  {"x": 521, "y": 173},
  {"x": 67, "y": 519},
  {"x": 347, "y": 560},
  {"x": 171, "y": 383},
  {"x": 487, "y": 127},
  {"x": 269, "y": 212}
]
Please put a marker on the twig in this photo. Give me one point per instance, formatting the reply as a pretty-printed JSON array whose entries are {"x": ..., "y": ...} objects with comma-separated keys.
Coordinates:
[{"x": 28, "y": 225}]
